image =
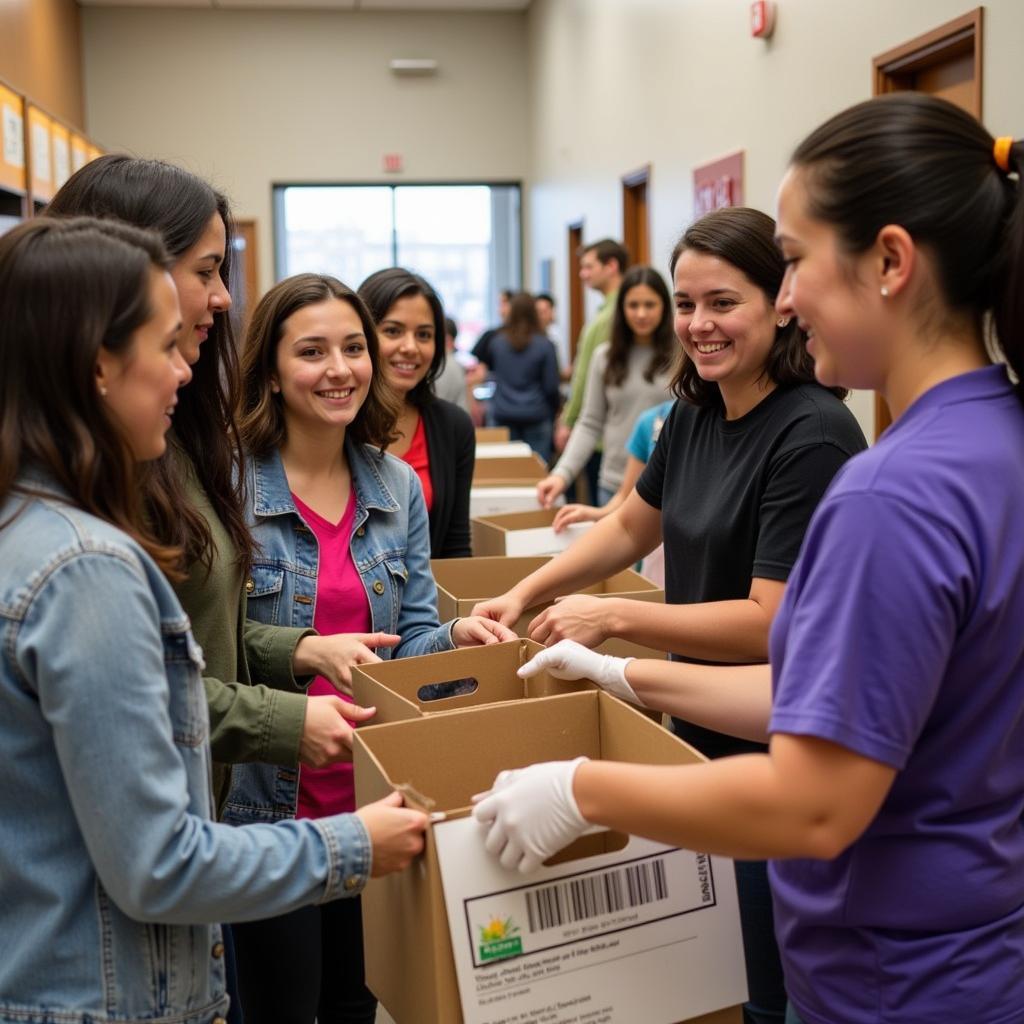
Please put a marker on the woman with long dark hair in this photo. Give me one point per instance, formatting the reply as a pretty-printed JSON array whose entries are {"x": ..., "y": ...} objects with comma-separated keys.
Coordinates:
[
  {"x": 524, "y": 367},
  {"x": 892, "y": 796},
  {"x": 742, "y": 461},
  {"x": 342, "y": 533},
  {"x": 112, "y": 872},
  {"x": 435, "y": 437},
  {"x": 191, "y": 494},
  {"x": 627, "y": 375}
]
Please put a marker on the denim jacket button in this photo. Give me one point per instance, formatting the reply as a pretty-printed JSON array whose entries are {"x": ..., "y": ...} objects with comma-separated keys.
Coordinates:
[
  {"x": 361, "y": 532},
  {"x": 352, "y": 882},
  {"x": 218, "y": 950},
  {"x": 250, "y": 586},
  {"x": 378, "y": 587}
]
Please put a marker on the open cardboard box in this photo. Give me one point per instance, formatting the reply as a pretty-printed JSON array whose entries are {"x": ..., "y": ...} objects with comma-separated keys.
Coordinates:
[
  {"x": 509, "y": 471},
  {"x": 406, "y": 688},
  {"x": 492, "y": 435},
  {"x": 503, "y": 450},
  {"x": 689, "y": 959},
  {"x": 464, "y": 582},
  {"x": 522, "y": 533}
]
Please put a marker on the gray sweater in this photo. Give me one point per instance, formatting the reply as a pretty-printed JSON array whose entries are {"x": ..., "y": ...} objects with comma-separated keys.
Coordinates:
[{"x": 608, "y": 415}]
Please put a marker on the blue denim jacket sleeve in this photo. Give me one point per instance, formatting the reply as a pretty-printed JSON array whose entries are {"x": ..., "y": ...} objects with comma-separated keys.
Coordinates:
[
  {"x": 103, "y": 686},
  {"x": 417, "y": 616}
]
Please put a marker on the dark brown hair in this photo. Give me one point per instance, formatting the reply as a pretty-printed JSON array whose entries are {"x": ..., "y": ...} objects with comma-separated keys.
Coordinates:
[
  {"x": 928, "y": 166},
  {"x": 67, "y": 289},
  {"x": 522, "y": 323},
  {"x": 663, "y": 341},
  {"x": 261, "y": 415},
  {"x": 159, "y": 196},
  {"x": 380, "y": 291},
  {"x": 606, "y": 250},
  {"x": 745, "y": 239}
]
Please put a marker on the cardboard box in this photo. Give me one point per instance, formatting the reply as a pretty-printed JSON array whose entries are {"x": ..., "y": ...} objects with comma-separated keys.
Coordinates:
[
  {"x": 490, "y": 435},
  {"x": 522, "y": 533},
  {"x": 509, "y": 471},
  {"x": 489, "y": 499},
  {"x": 507, "y": 449},
  {"x": 464, "y": 582},
  {"x": 681, "y": 950},
  {"x": 407, "y": 688}
]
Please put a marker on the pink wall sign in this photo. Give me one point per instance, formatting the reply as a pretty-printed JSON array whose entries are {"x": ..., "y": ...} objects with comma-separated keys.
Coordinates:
[{"x": 718, "y": 184}]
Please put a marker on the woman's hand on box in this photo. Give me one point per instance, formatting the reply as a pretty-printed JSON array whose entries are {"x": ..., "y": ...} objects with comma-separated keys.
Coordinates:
[
  {"x": 569, "y": 514},
  {"x": 477, "y": 631},
  {"x": 581, "y": 617},
  {"x": 570, "y": 660},
  {"x": 327, "y": 730},
  {"x": 334, "y": 655},
  {"x": 529, "y": 814},
  {"x": 505, "y": 609},
  {"x": 396, "y": 833},
  {"x": 550, "y": 488}
]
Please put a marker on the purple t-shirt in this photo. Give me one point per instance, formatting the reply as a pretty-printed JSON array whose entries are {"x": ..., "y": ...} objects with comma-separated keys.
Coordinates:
[{"x": 901, "y": 637}]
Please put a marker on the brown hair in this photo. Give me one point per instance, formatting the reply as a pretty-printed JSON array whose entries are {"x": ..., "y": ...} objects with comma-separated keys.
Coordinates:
[
  {"x": 925, "y": 164},
  {"x": 159, "y": 196},
  {"x": 606, "y": 250},
  {"x": 261, "y": 414},
  {"x": 522, "y": 322},
  {"x": 663, "y": 339},
  {"x": 67, "y": 289},
  {"x": 745, "y": 239}
]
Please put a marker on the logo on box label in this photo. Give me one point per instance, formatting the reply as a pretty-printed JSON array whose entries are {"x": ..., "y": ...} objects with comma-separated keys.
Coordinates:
[{"x": 499, "y": 939}]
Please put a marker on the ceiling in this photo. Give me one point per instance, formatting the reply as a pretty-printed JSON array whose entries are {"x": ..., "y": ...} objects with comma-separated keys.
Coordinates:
[{"x": 333, "y": 5}]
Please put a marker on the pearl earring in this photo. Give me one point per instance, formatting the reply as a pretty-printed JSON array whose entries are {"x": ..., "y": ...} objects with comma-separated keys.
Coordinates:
[
  {"x": 783, "y": 321},
  {"x": 885, "y": 291},
  {"x": 103, "y": 391}
]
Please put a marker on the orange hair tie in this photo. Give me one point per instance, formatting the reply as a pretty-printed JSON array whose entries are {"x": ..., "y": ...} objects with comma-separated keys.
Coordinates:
[{"x": 1001, "y": 152}]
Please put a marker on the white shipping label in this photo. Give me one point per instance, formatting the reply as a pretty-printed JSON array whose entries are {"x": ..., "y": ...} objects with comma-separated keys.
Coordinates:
[
  {"x": 647, "y": 933},
  {"x": 542, "y": 540},
  {"x": 14, "y": 137}
]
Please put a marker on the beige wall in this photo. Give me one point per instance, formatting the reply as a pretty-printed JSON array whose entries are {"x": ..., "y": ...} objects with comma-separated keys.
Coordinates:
[
  {"x": 248, "y": 98},
  {"x": 676, "y": 83},
  {"x": 41, "y": 55}
]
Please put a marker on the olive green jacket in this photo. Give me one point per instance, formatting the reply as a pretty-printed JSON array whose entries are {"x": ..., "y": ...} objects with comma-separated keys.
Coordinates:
[{"x": 257, "y": 706}]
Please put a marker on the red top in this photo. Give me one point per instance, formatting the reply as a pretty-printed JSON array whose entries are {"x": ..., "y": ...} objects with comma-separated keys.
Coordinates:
[
  {"x": 418, "y": 457},
  {"x": 341, "y": 607}
]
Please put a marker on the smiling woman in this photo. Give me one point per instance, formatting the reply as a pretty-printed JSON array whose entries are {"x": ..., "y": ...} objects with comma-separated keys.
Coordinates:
[
  {"x": 343, "y": 547},
  {"x": 435, "y": 437}
]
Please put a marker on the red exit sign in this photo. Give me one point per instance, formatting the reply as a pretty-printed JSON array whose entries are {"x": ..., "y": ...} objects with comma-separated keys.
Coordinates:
[{"x": 392, "y": 163}]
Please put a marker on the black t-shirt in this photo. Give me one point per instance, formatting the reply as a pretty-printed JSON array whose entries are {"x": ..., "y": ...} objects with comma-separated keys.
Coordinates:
[{"x": 736, "y": 497}]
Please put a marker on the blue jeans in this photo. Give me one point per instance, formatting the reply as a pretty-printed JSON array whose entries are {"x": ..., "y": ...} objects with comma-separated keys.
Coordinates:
[
  {"x": 590, "y": 473},
  {"x": 767, "y": 1004},
  {"x": 539, "y": 436}
]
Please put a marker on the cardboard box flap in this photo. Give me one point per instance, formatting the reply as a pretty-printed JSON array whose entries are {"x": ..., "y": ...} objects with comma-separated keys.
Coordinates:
[
  {"x": 448, "y": 758},
  {"x": 478, "y": 579},
  {"x": 454, "y": 681},
  {"x": 517, "y": 468},
  {"x": 520, "y": 520}
]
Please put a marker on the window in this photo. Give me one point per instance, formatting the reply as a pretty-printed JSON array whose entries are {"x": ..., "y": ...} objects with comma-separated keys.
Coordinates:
[{"x": 464, "y": 239}]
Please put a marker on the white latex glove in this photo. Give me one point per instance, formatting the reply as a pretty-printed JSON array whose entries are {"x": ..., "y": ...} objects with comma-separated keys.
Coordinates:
[
  {"x": 569, "y": 660},
  {"x": 530, "y": 814}
]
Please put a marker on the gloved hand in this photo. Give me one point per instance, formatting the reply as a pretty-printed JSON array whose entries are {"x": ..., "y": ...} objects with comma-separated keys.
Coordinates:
[
  {"x": 570, "y": 660},
  {"x": 530, "y": 814}
]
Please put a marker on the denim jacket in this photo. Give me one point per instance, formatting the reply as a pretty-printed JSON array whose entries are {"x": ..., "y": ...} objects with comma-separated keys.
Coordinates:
[
  {"x": 112, "y": 876},
  {"x": 391, "y": 549}
]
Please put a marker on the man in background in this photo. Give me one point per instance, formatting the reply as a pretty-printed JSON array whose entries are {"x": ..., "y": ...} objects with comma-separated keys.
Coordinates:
[{"x": 602, "y": 265}]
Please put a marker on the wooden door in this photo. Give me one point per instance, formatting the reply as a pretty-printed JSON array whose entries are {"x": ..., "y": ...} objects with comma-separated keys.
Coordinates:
[
  {"x": 635, "y": 216},
  {"x": 245, "y": 289},
  {"x": 945, "y": 62},
  {"x": 575, "y": 290}
]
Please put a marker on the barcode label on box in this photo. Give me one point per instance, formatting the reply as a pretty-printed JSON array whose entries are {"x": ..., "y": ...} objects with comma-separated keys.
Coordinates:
[
  {"x": 580, "y": 899},
  {"x": 584, "y": 905}
]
